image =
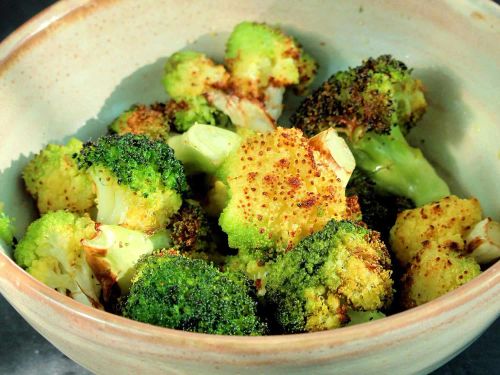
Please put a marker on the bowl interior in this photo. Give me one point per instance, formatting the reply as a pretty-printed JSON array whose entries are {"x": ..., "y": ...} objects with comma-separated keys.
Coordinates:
[{"x": 78, "y": 74}]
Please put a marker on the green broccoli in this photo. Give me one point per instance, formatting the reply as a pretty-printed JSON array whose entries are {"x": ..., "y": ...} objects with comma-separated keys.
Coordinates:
[
  {"x": 140, "y": 119},
  {"x": 203, "y": 148},
  {"x": 191, "y": 295},
  {"x": 53, "y": 179},
  {"x": 188, "y": 76},
  {"x": 114, "y": 251},
  {"x": 139, "y": 182},
  {"x": 254, "y": 263},
  {"x": 374, "y": 106},
  {"x": 6, "y": 228},
  {"x": 51, "y": 251},
  {"x": 340, "y": 268},
  {"x": 259, "y": 56},
  {"x": 185, "y": 113},
  {"x": 379, "y": 210}
]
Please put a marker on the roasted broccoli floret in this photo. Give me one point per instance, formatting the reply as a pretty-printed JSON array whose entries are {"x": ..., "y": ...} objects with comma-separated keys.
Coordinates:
[
  {"x": 53, "y": 179},
  {"x": 203, "y": 148},
  {"x": 374, "y": 106},
  {"x": 450, "y": 218},
  {"x": 254, "y": 263},
  {"x": 6, "y": 228},
  {"x": 280, "y": 190},
  {"x": 260, "y": 56},
  {"x": 114, "y": 251},
  {"x": 340, "y": 268},
  {"x": 139, "y": 182},
  {"x": 194, "y": 235},
  {"x": 191, "y": 295},
  {"x": 378, "y": 209},
  {"x": 151, "y": 121},
  {"x": 188, "y": 76},
  {"x": 51, "y": 251},
  {"x": 438, "y": 268}
]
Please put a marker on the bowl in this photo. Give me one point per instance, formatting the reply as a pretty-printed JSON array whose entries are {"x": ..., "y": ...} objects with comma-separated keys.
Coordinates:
[{"x": 73, "y": 68}]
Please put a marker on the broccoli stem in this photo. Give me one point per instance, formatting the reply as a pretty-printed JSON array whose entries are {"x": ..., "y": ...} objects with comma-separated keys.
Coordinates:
[{"x": 398, "y": 168}]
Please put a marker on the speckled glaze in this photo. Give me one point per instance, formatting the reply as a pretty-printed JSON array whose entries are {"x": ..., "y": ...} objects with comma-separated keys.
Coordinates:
[{"x": 77, "y": 65}]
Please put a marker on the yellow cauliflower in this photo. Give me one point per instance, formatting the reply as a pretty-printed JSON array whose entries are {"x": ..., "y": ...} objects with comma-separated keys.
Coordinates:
[
  {"x": 54, "y": 180},
  {"x": 437, "y": 269},
  {"x": 280, "y": 190},
  {"x": 435, "y": 222}
]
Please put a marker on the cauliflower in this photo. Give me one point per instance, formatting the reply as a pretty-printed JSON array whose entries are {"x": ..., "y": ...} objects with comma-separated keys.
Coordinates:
[
  {"x": 51, "y": 251},
  {"x": 438, "y": 268},
  {"x": 435, "y": 222},
  {"x": 53, "y": 179}
]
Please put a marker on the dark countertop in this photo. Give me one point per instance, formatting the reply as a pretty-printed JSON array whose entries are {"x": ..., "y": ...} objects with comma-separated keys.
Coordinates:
[{"x": 24, "y": 351}]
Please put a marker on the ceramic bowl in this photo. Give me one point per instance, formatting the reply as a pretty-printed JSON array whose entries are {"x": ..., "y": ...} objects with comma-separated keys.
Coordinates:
[{"x": 74, "y": 67}]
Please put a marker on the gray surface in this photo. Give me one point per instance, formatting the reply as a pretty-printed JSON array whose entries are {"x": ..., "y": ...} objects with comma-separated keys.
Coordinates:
[{"x": 24, "y": 351}]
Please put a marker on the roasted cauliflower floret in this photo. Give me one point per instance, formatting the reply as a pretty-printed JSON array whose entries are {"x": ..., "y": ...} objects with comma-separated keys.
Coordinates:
[
  {"x": 435, "y": 222},
  {"x": 53, "y": 179},
  {"x": 438, "y": 268},
  {"x": 151, "y": 121},
  {"x": 280, "y": 189}
]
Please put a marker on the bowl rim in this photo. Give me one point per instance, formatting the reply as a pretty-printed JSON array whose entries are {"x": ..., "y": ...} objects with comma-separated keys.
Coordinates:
[
  {"x": 49, "y": 20},
  {"x": 467, "y": 293}
]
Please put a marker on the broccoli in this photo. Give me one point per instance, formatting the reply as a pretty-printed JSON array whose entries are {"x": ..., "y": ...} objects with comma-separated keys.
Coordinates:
[
  {"x": 340, "y": 268},
  {"x": 203, "y": 148},
  {"x": 188, "y": 76},
  {"x": 193, "y": 235},
  {"x": 113, "y": 252},
  {"x": 6, "y": 228},
  {"x": 280, "y": 190},
  {"x": 187, "y": 112},
  {"x": 446, "y": 219},
  {"x": 53, "y": 179},
  {"x": 254, "y": 263},
  {"x": 191, "y": 295},
  {"x": 140, "y": 119},
  {"x": 51, "y": 251},
  {"x": 379, "y": 210},
  {"x": 138, "y": 181},
  {"x": 374, "y": 106},
  {"x": 438, "y": 268},
  {"x": 259, "y": 56}
]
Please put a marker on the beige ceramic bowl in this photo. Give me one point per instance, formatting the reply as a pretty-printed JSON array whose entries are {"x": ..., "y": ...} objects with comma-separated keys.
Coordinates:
[{"x": 74, "y": 67}]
